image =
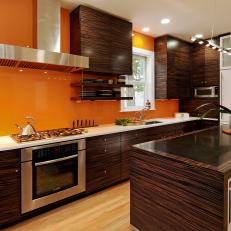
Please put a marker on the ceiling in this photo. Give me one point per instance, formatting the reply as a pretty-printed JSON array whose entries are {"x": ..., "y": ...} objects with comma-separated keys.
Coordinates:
[{"x": 188, "y": 17}]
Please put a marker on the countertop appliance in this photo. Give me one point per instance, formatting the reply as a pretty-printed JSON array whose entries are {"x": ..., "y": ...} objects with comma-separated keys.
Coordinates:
[
  {"x": 47, "y": 134},
  {"x": 206, "y": 92},
  {"x": 50, "y": 173}
]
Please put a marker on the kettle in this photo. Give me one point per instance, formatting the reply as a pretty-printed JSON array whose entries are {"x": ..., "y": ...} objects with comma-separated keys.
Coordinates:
[{"x": 28, "y": 129}]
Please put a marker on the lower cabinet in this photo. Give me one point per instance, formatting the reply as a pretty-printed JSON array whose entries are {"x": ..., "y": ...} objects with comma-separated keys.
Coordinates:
[
  {"x": 103, "y": 161},
  {"x": 108, "y": 156},
  {"x": 10, "y": 193}
]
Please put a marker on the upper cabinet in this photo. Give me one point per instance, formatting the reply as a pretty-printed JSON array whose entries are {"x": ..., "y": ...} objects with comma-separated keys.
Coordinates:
[
  {"x": 205, "y": 66},
  {"x": 105, "y": 39},
  {"x": 172, "y": 68},
  {"x": 225, "y": 58}
]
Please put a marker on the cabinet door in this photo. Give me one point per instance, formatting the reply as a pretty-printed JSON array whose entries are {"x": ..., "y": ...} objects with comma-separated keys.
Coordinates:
[
  {"x": 198, "y": 66},
  {"x": 105, "y": 39},
  {"x": 179, "y": 69},
  {"x": 10, "y": 193},
  {"x": 121, "y": 46},
  {"x": 226, "y": 94},
  {"x": 103, "y": 161},
  {"x": 212, "y": 67},
  {"x": 225, "y": 58},
  {"x": 94, "y": 41}
]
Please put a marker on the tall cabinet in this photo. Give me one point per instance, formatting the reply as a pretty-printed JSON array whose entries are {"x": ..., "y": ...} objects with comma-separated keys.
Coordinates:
[
  {"x": 172, "y": 68},
  {"x": 225, "y": 66},
  {"x": 105, "y": 39}
]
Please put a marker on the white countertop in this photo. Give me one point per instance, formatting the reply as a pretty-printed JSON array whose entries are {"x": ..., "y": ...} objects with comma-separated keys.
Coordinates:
[{"x": 7, "y": 143}]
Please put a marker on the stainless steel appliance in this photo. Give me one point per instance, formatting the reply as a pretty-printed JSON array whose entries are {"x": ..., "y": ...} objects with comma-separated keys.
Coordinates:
[
  {"x": 204, "y": 92},
  {"x": 50, "y": 173},
  {"x": 48, "y": 55}
]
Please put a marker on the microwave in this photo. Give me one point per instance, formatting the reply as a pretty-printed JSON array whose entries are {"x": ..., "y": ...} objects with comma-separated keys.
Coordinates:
[{"x": 200, "y": 92}]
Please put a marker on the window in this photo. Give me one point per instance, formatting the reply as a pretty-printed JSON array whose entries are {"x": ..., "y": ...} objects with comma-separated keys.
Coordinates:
[{"x": 142, "y": 80}]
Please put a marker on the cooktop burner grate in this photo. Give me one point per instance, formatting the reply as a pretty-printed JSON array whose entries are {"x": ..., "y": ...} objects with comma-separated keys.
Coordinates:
[{"x": 47, "y": 134}]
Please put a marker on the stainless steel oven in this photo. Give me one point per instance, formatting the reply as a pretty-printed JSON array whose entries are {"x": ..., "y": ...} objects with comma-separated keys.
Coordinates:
[{"x": 50, "y": 173}]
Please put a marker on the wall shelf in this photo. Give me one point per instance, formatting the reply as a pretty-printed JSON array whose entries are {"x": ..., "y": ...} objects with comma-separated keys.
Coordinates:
[
  {"x": 101, "y": 85},
  {"x": 100, "y": 98}
]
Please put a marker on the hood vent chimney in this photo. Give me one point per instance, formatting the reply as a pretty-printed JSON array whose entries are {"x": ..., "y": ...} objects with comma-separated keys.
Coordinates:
[
  {"x": 48, "y": 25},
  {"x": 47, "y": 56}
]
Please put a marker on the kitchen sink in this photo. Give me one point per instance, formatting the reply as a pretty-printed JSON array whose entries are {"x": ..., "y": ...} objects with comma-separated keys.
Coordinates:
[{"x": 152, "y": 122}]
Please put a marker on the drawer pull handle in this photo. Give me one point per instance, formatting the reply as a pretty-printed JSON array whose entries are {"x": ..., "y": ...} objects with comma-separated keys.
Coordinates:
[
  {"x": 16, "y": 170},
  {"x": 105, "y": 172},
  {"x": 105, "y": 150},
  {"x": 105, "y": 139}
]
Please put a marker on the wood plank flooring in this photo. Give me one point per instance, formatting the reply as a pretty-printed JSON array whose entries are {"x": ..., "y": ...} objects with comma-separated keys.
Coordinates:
[{"x": 108, "y": 210}]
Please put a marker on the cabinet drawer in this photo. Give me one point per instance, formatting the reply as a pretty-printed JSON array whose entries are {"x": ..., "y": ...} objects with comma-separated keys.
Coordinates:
[
  {"x": 132, "y": 135},
  {"x": 93, "y": 142},
  {"x": 102, "y": 176},
  {"x": 106, "y": 147},
  {"x": 9, "y": 158},
  {"x": 102, "y": 159}
]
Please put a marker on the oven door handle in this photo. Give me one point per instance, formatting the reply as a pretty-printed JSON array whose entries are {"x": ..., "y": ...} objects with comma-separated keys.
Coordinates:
[{"x": 56, "y": 160}]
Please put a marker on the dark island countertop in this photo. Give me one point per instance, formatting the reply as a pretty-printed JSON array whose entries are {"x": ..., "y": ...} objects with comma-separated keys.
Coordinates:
[{"x": 210, "y": 147}]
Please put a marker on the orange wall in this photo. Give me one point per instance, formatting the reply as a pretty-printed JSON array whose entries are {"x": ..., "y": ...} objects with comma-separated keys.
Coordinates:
[
  {"x": 143, "y": 41},
  {"x": 47, "y": 96},
  {"x": 16, "y": 22}
]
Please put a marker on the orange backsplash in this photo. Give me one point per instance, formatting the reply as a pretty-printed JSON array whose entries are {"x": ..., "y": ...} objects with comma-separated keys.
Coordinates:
[{"x": 47, "y": 98}]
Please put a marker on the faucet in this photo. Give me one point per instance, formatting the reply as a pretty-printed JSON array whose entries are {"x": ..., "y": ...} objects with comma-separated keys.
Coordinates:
[
  {"x": 28, "y": 129},
  {"x": 139, "y": 115}
]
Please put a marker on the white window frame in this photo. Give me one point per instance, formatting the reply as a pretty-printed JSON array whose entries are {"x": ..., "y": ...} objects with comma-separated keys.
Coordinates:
[{"x": 149, "y": 82}]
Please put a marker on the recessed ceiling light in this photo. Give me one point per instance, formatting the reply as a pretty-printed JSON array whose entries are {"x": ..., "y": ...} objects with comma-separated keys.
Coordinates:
[
  {"x": 21, "y": 70},
  {"x": 146, "y": 29},
  {"x": 199, "y": 35},
  {"x": 165, "y": 21}
]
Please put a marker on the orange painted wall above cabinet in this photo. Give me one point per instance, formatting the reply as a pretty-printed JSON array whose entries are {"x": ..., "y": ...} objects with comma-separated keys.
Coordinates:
[
  {"x": 143, "y": 41},
  {"x": 16, "y": 22}
]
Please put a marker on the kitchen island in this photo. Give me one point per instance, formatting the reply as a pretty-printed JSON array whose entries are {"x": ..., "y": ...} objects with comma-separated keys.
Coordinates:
[{"x": 181, "y": 183}]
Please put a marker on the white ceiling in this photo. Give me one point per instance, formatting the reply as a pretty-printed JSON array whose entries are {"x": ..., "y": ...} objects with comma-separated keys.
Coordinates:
[{"x": 188, "y": 17}]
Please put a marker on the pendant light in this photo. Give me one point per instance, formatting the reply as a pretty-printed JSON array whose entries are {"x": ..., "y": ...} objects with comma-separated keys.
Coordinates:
[{"x": 211, "y": 43}]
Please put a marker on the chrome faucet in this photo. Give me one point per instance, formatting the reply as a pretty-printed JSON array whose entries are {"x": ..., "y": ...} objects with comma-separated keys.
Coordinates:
[
  {"x": 139, "y": 115},
  {"x": 28, "y": 129}
]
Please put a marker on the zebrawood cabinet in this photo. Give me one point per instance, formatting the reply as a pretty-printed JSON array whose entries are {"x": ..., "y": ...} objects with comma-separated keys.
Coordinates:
[
  {"x": 105, "y": 39},
  {"x": 172, "y": 68},
  {"x": 10, "y": 192},
  {"x": 103, "y": 161},
  {"x": 205, "y": 66}
]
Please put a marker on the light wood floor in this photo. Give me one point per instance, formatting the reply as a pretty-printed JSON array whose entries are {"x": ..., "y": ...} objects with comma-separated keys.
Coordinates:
[{"x": 104, "y": 211}]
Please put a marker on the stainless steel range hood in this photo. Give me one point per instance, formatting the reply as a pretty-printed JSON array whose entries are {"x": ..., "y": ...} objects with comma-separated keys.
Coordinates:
[{"x": 47, "y": 56}]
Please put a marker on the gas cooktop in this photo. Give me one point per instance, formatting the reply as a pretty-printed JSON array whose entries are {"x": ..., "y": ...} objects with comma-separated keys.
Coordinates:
[{"x": 47, "y": 134}]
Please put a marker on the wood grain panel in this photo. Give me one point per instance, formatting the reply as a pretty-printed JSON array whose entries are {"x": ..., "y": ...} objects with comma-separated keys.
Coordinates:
[
  {"x": 105, "y": 39},
  {"x": 173, "y": 68},
  {"x": 205, "y": 66},
  {"x": 10, "y": 193},
  {"x": 94, "y": 142},
  {"x": 169, "y": 193},
  {"x": 161, "y": 68},
  {"x": 121, "y": 46}
]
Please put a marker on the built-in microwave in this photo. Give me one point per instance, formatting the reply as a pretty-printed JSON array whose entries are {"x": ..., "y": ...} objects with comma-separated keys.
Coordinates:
[{"x": 204, "y": 92}]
